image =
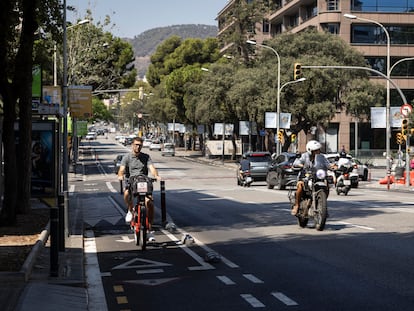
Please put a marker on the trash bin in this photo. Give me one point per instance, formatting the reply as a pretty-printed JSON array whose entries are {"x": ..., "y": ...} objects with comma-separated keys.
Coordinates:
[{"x": 399, "y": 171}]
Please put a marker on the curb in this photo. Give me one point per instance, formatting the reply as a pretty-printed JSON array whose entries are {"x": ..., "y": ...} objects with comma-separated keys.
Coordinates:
[{"x": 27, "y": 267}]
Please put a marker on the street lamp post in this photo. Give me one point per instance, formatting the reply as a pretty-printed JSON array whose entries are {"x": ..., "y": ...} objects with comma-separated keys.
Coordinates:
[
  {"x": 278, "y": 89},
  {"x": 387, "y": 105}
]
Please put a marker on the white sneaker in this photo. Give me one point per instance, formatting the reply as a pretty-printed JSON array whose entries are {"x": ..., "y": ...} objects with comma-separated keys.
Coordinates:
[
  {"x": 151, "y": 236},
  {"x": 128, "y": 217}
]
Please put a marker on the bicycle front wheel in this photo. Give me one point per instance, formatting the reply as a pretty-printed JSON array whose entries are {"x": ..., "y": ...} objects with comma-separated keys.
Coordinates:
[{"x": 142, "y": 237}]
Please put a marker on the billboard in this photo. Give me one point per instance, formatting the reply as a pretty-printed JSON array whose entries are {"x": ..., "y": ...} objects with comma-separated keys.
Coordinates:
[{"x": 80, "y": 101}]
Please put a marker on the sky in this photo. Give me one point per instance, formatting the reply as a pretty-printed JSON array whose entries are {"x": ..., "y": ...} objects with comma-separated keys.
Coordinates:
[{"x": 132, "y": 17}]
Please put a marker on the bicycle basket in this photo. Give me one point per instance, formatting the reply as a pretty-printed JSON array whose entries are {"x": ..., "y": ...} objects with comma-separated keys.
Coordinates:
[{"x": 141, "y": 185}]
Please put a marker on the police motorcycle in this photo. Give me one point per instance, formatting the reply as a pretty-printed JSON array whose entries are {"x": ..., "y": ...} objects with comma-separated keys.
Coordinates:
[
  {"x": 313, "y": 202},
  {"x": 343, "y": 179}
]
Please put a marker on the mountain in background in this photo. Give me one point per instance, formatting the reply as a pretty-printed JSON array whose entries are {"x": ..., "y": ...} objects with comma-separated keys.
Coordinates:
[{"x": 146, "y": 43}]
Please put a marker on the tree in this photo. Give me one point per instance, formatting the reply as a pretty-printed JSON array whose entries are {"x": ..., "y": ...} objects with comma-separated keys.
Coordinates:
[
  {"x": 319, "y": 98},
  {"x": 18, "y": 29}
]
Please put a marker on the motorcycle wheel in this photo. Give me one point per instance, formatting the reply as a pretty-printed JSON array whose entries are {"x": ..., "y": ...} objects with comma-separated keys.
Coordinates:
[
  {"x": 321, "y": 212},
  {"x": 302, "y": 219}
]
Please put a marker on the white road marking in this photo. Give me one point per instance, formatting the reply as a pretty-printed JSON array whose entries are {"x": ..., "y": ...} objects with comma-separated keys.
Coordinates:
[
  {"x": 225, "y": 280},
  {"x": 353, "y": 225},
  {"x": 125, "y": 239},
  {"x": 149, "y": 271},
  {"x": 110, "y": 187},
  {"x": 254, "y": 302},
  {"x": 140, "y": 263},
  {"x": 96, "y": 293},
  {"x": 283, "y": 298},
  {"x": 252, "y": 278},
  {"x": 203, "y": 265}
]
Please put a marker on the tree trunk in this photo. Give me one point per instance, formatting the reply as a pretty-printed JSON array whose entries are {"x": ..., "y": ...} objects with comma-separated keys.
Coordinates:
[
  {"x": 23, "y": 80},
  {"x": 8, "y": 211}
]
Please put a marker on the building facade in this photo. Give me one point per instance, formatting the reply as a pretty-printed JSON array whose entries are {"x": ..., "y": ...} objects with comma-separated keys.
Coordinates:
[{"x": 365, "y": 33}]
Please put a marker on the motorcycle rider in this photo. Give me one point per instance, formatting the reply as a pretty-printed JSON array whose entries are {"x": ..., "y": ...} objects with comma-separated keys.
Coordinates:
[
  {"x": 305, "y": 161},
  {"x": 342, "y": 164},
  {"x": 244, "y": 166}
]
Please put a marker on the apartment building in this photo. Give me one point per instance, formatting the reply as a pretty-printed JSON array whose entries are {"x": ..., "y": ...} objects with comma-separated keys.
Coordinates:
[{"x": 365, "y": 33}]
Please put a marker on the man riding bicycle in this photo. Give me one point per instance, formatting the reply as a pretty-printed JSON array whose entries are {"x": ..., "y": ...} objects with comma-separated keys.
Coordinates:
[{"x": 138, "y": 163}]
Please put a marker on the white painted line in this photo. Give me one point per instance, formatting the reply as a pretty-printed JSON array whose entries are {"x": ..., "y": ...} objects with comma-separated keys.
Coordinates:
[
  {"x": 110, "y": 187},
  {"x": 203, "y": 265},
  {"x": 96, "y": 292},
  {"x": 254, "y": 302},
  {"x": 225, "y": 280},
  {"x": 283, "y": 298},
  {"x": 227, "y": 262},
  {"x": 106, "y": 274},
  {"x": 252, "y": 278},
  {"x": 149, "y": 271},
  {"x": 352, "y": 225}
]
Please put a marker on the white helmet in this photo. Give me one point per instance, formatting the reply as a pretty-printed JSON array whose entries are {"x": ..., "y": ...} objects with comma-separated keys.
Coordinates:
[{"x": 312, "y": 145}]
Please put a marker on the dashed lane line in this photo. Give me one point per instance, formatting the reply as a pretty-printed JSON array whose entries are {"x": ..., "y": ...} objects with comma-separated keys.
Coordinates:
[
  {"x": 283, "y": 298},
  {"x": 253, "y": 301}
]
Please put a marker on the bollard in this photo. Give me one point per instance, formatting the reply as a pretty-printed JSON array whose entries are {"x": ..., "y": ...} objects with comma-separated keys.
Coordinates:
[
  {"x": 54, "y": 247},
  {"x": 61, "y": 231},
  {"x": 163, "y": 207},
  {"x": 66, "y": 213}
]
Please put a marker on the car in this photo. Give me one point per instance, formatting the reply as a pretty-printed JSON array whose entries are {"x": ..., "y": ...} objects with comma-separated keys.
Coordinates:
[
  {"x": 91, "y": 136},
  {"x": 259, "y": 164},
  {"x": 155, "y": 145},
  {"x": 281, "y": 171},
  {"x": 127, "y": 141},
  {"x": 168, "y": 149},
  {"x": 117, "y": 163},
  {"x": 361, "y": 168},
  {"x": 147, "y": 142}
]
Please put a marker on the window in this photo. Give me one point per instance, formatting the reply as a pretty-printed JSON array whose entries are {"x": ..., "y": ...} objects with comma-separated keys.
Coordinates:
[
  {"x": 382, "y": 5},
  {"x": 372, "y": 34},
  {"x": 332, "y": 5},
  {"x": 265, "y": 26},
  {"x": 332, "y": 28}
]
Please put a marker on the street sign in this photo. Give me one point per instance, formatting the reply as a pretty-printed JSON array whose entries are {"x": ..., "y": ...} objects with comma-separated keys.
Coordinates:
[{"x": 406, "y": 109}]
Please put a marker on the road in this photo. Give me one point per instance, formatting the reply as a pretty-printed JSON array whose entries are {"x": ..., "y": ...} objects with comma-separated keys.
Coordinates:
[{"x": 362, "y": 261}]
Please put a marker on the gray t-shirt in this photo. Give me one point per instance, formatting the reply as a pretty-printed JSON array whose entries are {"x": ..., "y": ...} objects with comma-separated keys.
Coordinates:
[{"x": 137, "y": 165}]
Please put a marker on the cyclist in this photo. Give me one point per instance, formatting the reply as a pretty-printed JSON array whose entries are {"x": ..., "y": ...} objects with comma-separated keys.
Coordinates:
[{"x": 138, "y": 163}]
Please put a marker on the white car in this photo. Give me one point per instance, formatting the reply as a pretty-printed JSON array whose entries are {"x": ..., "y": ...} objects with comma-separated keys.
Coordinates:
[
  {"x": 155, "y": 145},
  {"x": 91, "y": 136},
  {"x": 147, "y": 143}
]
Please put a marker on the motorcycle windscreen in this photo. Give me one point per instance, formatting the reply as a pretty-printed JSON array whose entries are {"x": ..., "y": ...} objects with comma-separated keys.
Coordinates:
[{"x": 321, "y": 162}]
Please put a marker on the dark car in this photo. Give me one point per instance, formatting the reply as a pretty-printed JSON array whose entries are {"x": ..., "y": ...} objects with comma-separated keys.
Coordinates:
[
  {"x": 281, "y": 171},
  {"x": 117, "y": 162},
  {"x": 259, "y": 164}
]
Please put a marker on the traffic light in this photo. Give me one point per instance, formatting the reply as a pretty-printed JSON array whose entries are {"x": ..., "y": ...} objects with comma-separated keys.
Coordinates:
[
  {"x": 280, "y": 136},
  {"x": 293, "y": 138},
  {"x": 404, "y": 126},
  {"x": 297, "y": 71},
  {"x": 400, "y": 138}
]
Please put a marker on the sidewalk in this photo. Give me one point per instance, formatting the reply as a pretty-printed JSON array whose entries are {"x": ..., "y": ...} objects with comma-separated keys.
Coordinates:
[{"x": 32, "y": 288}]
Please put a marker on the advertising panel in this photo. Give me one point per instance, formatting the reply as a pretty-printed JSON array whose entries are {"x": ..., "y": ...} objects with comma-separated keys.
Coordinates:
[{"x": 80, "y": 101}]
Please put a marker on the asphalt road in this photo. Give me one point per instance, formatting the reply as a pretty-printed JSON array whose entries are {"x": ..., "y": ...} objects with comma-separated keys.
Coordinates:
[{"x": 362, "y": 260}]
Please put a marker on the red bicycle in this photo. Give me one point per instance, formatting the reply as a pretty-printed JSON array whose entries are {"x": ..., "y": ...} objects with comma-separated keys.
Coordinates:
[{"x": 140, "y": 188}]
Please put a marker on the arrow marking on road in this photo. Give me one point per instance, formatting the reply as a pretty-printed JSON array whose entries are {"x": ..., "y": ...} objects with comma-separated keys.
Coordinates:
[
  {"x": 143, "y": 264},
  {"x": 152, "y": 282},
  {"x": 125, "y": 239}
]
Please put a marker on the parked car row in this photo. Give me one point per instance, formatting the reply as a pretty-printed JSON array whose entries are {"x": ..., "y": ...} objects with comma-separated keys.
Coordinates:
[{"x": 279, "y": 172}]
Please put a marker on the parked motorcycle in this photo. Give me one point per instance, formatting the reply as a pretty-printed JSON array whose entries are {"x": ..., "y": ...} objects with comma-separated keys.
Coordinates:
[
  {"x": 313, "y": 203},
  {"x": 343, "y": 179}
]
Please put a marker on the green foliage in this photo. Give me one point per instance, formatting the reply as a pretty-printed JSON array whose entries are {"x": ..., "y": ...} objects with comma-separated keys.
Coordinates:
[{"x": 100, "y": 112}]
